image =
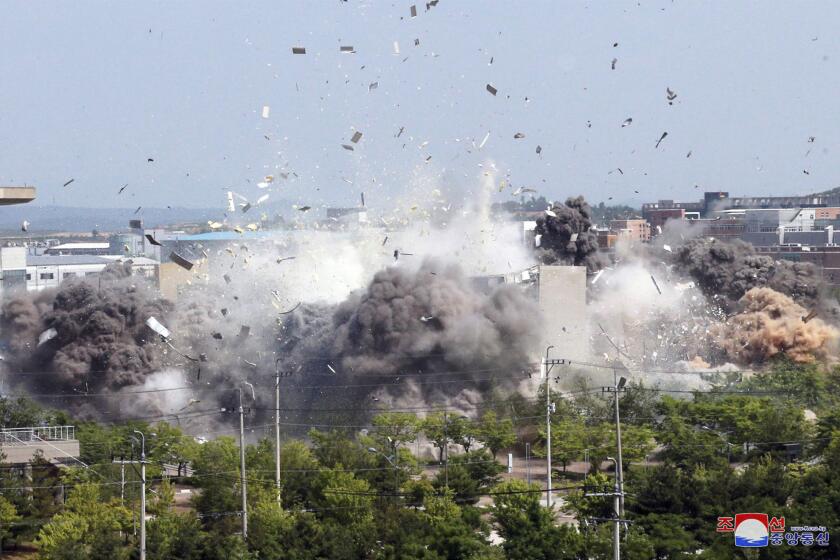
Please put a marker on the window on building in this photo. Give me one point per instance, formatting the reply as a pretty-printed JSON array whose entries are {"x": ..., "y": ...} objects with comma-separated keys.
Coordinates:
[
  {"x": 29, "y": 276},
  {"x": 69, "y": 275},
  {"x": 46, "y": 276}
]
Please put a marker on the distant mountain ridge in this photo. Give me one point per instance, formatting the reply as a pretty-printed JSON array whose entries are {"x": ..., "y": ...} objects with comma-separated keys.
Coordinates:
[{"x": 75, "y": 219}]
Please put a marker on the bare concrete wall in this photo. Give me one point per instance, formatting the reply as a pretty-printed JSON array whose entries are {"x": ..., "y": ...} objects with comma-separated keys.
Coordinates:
[{"x": 562, "y": 301}]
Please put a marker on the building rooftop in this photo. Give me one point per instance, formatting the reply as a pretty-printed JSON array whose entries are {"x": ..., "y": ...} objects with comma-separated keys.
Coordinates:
[
  {"x": 79, "y": 246},
  {"x": 16, "y": 195},
  {"x": 55, "y": 260}
]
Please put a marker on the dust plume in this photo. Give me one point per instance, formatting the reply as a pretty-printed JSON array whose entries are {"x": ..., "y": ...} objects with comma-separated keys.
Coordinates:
[{"x": 769, "y": 323}]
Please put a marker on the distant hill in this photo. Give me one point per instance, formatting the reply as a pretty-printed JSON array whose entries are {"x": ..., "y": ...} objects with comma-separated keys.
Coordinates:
[
  {"x": 835, "y": 191},
  {"x": 68, "y": 218}
]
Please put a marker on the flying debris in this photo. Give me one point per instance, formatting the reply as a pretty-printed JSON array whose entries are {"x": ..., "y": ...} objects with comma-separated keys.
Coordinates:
[
  {"x": 356, "y": 137},
  {"x": 122, "y": 188},
  {"x": 597, "y": 277},
  {"x": 661, "y": 138},
  {"x": 688, "y": 155},
  {"x": 266, "y": 110},
  {"x": 180, "y": 261},
  {"x": 413, "y": 11},
  {"x": 655, "y": 285},
  {"x": 627, "y": 122},
  {"x": 539, "y": 149},
  {"x": 811, "y": 314},
  {"x": 298, "y": 50},
  {"x": 304, "y": 208},
  {"x": 138, "y": 209},
  {"x": 329, "y": 367},
  {"x": 519, "y": 136},
  {"x": 156, "y": 326},
  {"x": 290, "y": 310},
  {"x": 24, "y": 226},
  {"x": 491, "y": 89},
  {"x": 152, "y": 240},
  {"x": 396, "y": 47},
  {"x": 484, "y": 141},
  {"x": 47, "y": 335},
  {"x": 402, "y": 129},
  {"x": 347, "y": 50},
  {"x": 614, "y": 61},
  {"x": 670, "y": 95},
  {"x": 348, "y": 147},
  {"x": 373, "y": 85},
  {"x": 521, "y": 190},
  {"x": 68, "y": 182}
]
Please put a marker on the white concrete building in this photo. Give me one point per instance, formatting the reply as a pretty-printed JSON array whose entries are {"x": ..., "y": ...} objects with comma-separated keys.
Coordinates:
[{"x": 48, "y": 271}]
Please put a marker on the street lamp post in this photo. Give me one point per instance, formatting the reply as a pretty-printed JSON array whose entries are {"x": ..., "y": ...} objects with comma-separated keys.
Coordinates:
[
  {"x": 393, "y": 464},
  {"x": 142, "y": 494}
]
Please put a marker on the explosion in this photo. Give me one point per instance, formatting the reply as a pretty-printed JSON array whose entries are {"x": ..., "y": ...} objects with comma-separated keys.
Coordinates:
[
  {"x": 768, "y": 324},
  {"x": 565, "y": 236}
]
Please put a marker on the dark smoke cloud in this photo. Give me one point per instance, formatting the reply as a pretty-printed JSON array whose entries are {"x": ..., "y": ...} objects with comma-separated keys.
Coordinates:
[
  {"x": 101, "y": 341},
  {"x": 426, "y": 321},
  {"x": 556, "y": 244},
  {"x": 430, "y": 320},
  {"x": 725, "y": 271}
]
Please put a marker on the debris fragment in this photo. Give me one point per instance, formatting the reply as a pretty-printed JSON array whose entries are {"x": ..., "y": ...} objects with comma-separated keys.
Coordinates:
[
  {"x": 484, "y": 141},
  {"x": 152, "y": 240},
  {"x": 356, "y": 137},
  {"x": 671, "y": 95},
  {"x": 304, "y": 208},
  {"x": 655, "y": 285},
  {"x": 47, "y": 335},
  {"x": 298, "y": 50},
  {"x": 68, "y": 182},
  {"x": 217, "y": 335},
  {"x": 347, "y": 50},
  {"x": 180, "y": 261},
  {"x": 156, "y": 326},
  {"x": 396, "y": 47},
  {"x": 597, "y": 276},
  {"x": 519, "y": 136},
  {"x": 266, "y": 110},
  {"x": 539, "y": 149},
  {"x": 811, "y": 314},
  {"x": 227, "y": 278},
  {"x": 661, "y": 138},
  {"x": 667, "y": 248},
  {"x": 491, "y": 89},
  {"x": 373, "y": 85},
  {"x": 614, "y": 61},
  {"x": 122, "y": 189},
  {"x": 329, "y": 367},
  {"x": 627, "y": 122},
  {"x": 348, "y": 147},
  {"x": 290, "y": 310},
  {"x": 413, "y": 11},
  {"x": 24, "y": 226}
]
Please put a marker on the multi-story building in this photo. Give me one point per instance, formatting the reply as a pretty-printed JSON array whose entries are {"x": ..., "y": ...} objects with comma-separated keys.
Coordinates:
[{"x": 634, "y": 230}]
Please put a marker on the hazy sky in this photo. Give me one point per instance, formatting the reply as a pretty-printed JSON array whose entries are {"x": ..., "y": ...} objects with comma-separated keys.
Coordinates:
[{"x": 91, "y": 90}]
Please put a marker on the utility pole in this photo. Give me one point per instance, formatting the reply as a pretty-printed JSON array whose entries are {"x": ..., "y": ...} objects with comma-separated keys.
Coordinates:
[
  {"x": 618, "y": 387},
  {"x": 142, "y": 462},
  {"x": 277, "y": 377},
  {"x": 142, "y": 494},
  {"x": 242, "y": 467},
  {"x": 549, "y": 408},
  {"x": 616, "y": 501},
  {"x": 616, "y": 519},
  {"x": 446, "y": 448}
]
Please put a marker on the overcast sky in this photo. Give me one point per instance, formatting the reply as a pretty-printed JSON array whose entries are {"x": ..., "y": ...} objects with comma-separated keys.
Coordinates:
[{"x": 91, "y": 90}]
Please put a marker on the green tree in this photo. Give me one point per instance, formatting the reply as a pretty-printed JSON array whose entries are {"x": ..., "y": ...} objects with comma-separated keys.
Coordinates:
[
  {"x": 88, "y": 529},
  {"x": 175, "y": 535},
  {"x": 494, "y": 433},
  {"x": 8, "y": 516},
  {"x": 528, "y": 528}
]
